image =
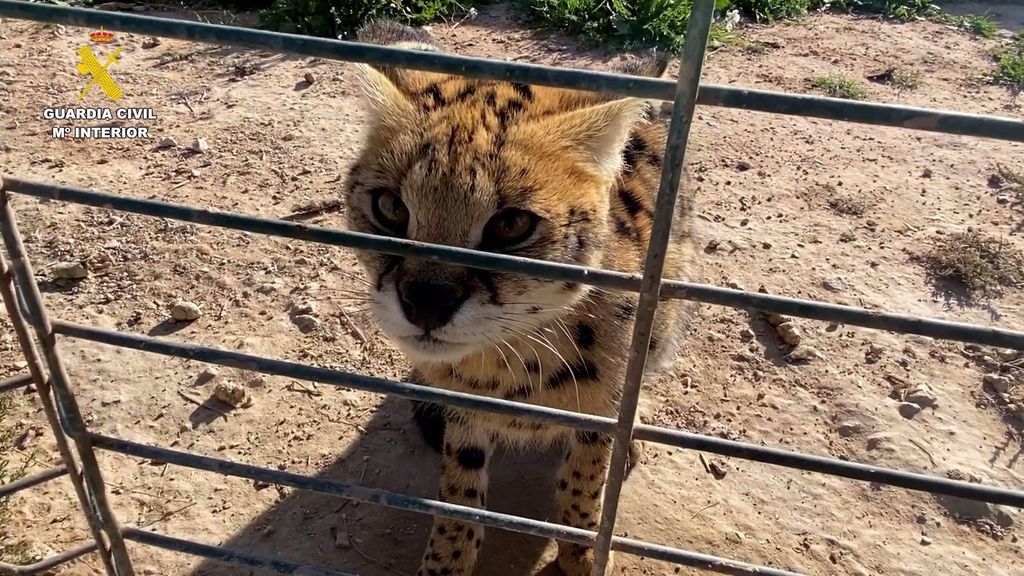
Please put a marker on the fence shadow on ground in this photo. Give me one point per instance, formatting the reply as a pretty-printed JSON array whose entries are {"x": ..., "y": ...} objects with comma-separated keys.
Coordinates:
[{"x": 372, "y": 540}]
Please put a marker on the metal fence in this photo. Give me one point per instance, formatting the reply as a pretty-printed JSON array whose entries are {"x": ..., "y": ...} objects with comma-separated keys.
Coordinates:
[{"x": 77, "y": 444}]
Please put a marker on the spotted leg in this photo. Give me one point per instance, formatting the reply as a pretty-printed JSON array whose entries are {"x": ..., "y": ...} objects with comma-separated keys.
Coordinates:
[
  {"x": 580, "y": 489},
  {"x": 454, "y": 544}
]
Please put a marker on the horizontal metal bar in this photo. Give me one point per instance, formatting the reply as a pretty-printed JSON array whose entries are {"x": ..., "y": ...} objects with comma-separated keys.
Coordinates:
[
  {"x": 702, "y": 561},
  {"x": 537, "y": 268},
  {"x": 415, "y": 504},
  {"x": 46, "y": 564},
  {"x": 834, "y": 467},
  {"x": 332, "y": 377},
  {"x": 710, "y": 95},
  {"x": 343, "y": 490},
  {"x": 542, "y": 413},
  {"x": 36, "y": 479},
  {"x": 225, "y": 554},
  {"x": 15, "y": 383}
]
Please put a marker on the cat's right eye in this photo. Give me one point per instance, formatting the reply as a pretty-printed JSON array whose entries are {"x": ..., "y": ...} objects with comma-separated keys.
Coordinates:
[{"x": 389, "y": 210}]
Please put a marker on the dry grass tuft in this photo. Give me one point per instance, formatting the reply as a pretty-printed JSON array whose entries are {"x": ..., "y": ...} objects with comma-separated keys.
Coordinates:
[{"x": 983, "y": 265}]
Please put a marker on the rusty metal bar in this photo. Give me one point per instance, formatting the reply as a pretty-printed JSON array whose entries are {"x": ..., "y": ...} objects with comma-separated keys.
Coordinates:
[
  {"x": 26, "y": 482},
  {"x": 46, "y": 564},
  {"x": 697, "y": 32},
  {"x": 15, "y": 383},
  {"x": 88, "y": 479}
]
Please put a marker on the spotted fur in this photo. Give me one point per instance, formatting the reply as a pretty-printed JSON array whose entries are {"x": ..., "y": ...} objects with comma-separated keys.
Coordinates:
[{"x": 467, "y": 163}]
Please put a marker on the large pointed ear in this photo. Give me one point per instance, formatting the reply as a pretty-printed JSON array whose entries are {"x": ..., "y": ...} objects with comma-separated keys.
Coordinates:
[
  {"x": 390, "y": 107},
  {"x": 598, "y": 133}
]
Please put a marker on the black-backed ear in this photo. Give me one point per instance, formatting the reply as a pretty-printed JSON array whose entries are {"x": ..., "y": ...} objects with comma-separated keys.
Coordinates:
[
  {"x": 390, "y": 33},
  {"x": 598, "y": 133}
]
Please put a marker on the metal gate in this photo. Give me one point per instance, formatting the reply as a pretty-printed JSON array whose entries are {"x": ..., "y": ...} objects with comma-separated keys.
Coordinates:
[{"x": 77, "y": 444}]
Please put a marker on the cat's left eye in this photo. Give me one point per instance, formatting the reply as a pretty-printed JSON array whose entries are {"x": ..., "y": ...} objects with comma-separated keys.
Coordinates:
[{"x": 509, "y": 227}]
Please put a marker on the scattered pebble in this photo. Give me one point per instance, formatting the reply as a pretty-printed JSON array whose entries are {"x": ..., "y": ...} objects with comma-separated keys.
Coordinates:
[
  {"x": 908, "y": 410},
  {"x": 200, "y": 145},
  {"x": 718, "y": 469},
  {"x": 746, "y": 334},
  {"x": 167, "y": 143},
  {"x": 850, "y": 428},
  {"x": 835, "y": 284},
  {"x": 875, "y": 441},
  {"x": 309, "y": 78},
  {"x": 1002, "y": 199},
  {"x": 306, "y": 323},
  {"x": 1009, "y": 355},
  {"x": 734, "y": 285},
  {"x": 803, "y": 353},
  {"x": 926, "y": 173},
  {"x": 151, "y": 42},
  {"x": 233, "y": 394},
  {"x": 195, "y": 173},
  {"x": 70, "y": 271},
  {"x": 1000, "y": 384},
  {"x": 874, "y": 353},
  {"x": 207, "y": 375},
  {"x": 185, "y": 311},
  {"x": 923, "y": 396},
  {"x": 926, "y": 541},
  {"x": 789, "y": 333}
]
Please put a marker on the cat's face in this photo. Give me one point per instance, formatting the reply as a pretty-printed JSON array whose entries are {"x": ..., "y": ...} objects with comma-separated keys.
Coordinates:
[{"x": 500, "y": 167}]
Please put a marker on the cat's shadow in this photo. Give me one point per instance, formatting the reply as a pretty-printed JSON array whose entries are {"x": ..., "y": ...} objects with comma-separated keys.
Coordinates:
[{"x": 374, "y": 540}]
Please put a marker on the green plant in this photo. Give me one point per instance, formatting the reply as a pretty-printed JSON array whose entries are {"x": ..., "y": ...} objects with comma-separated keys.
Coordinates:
[
  {"x": 980, "y": 24},
  {"x": 900, "y": 9},
  {"x": 340, "y": 18},
  {"x": 1009, "y": 70},
  {"x": 839, "y": 87}
]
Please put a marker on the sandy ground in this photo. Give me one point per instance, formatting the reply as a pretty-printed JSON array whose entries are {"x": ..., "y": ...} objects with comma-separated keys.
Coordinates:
[{"x": 277, "y": 143}]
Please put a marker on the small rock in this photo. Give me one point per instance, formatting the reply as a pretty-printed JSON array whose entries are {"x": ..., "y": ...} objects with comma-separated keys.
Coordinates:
[
  {"x": 200, "y": 145},
  {"x": 775, "y": 319},
  {"x": 268, "y": 288},
  {"x": 233, "y": 394},
  {"x": 746, "y": 334},
  {"x": 922, "y": 396},
  {"x": 743, "y": 166},
  {"x": 876, "y": 440},
  {"x": 789, "y": 333},
  {"x": 70, "y": 271},
  {"x": 743, "y": 357},
  {"x": 1000, "y": 384},
  {"x": 167, "y": 143},
  {"x": 803, "y": 353},
  {"x": 908, "y": 409},
  {"x": 850, "y": 428},
  {"x": 1002, "y": 199},
  {"x": 926, "y": 541},
  {"x": 794, "y": 254},
  {"x": 835, "y": 284},
  {"x": 185, "y": 311},
  {"x": 922, "y": 518},
  {"x": 873, "y": 354},
  {"x": 303, "y": 308},
  {"x": 766, "y": 245},
  {"x": 718, "y": 469},
  {"x": 207, "y": 375},
  {"x": 306, "y": 323},
  {"x": 195, "y": 173},
  {"x": 309, "y": 78},
  {"x": 151, "y": 42},
  {"x": 712, "y": 245},
  {"x": 734, "y": 285},
  {"x": 1009, "y": 354},
  {"x": 926, "y": 173}
]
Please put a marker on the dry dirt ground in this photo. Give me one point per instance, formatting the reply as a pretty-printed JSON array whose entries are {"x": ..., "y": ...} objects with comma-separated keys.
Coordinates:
[{"x": 768, "y": 191}]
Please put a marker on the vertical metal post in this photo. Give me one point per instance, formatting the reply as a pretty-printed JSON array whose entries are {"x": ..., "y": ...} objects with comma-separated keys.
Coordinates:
[
  {"x": 58, "y": 400},
  {"x": 664, "y": 212}
]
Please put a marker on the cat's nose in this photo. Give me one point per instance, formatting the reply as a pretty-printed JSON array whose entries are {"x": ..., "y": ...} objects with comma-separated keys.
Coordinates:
[{"x": 430, "y": 305}]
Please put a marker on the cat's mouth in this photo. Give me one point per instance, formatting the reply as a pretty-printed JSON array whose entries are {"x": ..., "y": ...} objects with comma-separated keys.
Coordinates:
[{"x": 430, "y": 348}]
